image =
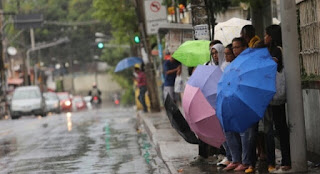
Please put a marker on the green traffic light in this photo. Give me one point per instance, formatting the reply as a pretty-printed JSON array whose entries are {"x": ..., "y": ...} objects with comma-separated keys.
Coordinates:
[
  {"x": 136, "y": 39},
  {"x": 100, "y": 45}
]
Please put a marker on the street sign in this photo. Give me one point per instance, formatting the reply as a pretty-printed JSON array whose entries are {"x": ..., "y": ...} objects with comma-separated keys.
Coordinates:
[
  {"x": 155, "y": 14},
  {"x": 27, "y": 21},
  {"x": 201, "y": 32}
]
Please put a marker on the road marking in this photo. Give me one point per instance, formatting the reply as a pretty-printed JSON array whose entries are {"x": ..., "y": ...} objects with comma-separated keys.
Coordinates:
[{"x": 107, "y": 134}]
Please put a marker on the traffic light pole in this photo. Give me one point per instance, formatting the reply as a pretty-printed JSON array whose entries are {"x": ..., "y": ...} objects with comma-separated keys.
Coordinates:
[{"x": 149, "y": 68}]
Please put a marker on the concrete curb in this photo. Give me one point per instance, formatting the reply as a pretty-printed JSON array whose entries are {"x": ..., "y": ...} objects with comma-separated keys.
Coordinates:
[{"x": 151, "y": 131}]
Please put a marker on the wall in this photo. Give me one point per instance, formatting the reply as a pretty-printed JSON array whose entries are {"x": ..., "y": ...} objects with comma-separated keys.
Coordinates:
[
  {"x": 231, "y": 13},
  {"x": 311, "y": 103},
  {"x": 309, "y": 28},
  {"x": 83, "y": 84}
]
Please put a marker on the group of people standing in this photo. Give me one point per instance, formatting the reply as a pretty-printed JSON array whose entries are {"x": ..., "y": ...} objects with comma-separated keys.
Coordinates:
[{"x": 240, "y": 149}]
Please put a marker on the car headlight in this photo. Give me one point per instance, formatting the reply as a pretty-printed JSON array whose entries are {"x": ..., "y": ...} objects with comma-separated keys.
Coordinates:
[{"x": 67, "y": 103}]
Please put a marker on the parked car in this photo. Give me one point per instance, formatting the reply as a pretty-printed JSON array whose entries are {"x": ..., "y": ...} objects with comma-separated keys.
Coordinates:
[
  {"x": 52, "y": 102},
  {"x": 65, "y": 101},
  {"x": 79, "y": 103},
  {"x": 27, "y": 100}
]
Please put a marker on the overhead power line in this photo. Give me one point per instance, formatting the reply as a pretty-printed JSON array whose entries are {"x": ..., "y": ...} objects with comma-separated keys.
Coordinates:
[{"x": 82, "y": 23}]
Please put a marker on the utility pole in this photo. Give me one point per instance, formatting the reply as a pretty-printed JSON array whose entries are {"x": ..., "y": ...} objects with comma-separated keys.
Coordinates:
[
  {"x": 261, "y": 15},
  {"x": 200, "y": 20},
  {"x": 2, "y": 67},
  {"x": 293, "y": 81},
  {"x": 149, "y": 67}
]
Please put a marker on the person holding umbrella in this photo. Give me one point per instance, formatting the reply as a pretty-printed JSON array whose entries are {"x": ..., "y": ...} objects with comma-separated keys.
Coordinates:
[
  {"x": 218, "y": 55},
  {"x": 229, "y": 56},
  {"x": 142, "y": 85},
  {"x": 240, "y": 144},
  {"x": 216, "y": 50}
]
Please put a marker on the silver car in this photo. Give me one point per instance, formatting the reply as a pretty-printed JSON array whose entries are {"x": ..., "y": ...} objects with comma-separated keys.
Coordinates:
[
  {"x": 27, "y": 100},
  {"x": 52, "y": 102}
]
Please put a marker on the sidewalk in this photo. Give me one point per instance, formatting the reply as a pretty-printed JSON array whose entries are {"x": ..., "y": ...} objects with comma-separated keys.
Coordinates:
[{"x": 177, "y": 153}]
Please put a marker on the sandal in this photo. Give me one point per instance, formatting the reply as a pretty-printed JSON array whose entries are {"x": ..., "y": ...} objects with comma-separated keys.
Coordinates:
[{"x": 249, "y": 170}]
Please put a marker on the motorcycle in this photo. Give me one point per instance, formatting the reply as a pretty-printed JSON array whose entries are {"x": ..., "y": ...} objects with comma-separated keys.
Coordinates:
[
  {"x": 95, "y": 102},
  {"x": 116, "y": 99}
]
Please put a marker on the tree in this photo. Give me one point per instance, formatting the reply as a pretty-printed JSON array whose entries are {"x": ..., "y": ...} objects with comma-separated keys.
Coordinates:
[
  {"x": 123, "y": 20},
  {"x": 122, "y": 16},
  {"x": 62, "y": 19},
  {"x": 214, "y": 8}
]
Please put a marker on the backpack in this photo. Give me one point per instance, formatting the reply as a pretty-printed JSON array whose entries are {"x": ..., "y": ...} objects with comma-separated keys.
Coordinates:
[{"x": 280, "y": 97}]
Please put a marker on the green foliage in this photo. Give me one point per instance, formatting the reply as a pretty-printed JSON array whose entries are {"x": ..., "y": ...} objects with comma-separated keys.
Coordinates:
[
  {"x": 113, "y": 55},
  {"x": 169, "y": 2},
  {"x": 311, "y": 77},
  {"x": 218, "y": 6},
  {"x": 127, "y": 97},
  {"x": 81, "y": 45},
  {"x": 122, "y": 17}
]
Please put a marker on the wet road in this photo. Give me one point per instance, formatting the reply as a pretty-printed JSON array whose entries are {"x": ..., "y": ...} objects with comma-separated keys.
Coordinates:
[{"x": 98, "y": 141}]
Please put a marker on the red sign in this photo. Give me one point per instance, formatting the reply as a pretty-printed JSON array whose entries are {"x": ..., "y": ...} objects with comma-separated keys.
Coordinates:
[{"x": 155, "y": 6}]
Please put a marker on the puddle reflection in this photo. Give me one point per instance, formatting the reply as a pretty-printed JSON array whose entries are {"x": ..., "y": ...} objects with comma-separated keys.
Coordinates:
[
  {"x": 7, "y": 145},
  {"x": 69, "y": 121}
]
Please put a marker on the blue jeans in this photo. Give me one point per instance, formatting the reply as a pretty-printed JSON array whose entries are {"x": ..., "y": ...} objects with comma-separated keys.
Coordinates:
[
  {"x": 241, "y": 146},
  {"x": 228, "y": 153},
  {"x": 143, "y": 90}
]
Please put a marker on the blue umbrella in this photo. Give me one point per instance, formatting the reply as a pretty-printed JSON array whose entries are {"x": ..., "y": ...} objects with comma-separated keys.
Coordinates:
[
  {"x": 127, "y": 63},
  {"x": 245, "y": 89},
  {"x": 206, "y": 77}
]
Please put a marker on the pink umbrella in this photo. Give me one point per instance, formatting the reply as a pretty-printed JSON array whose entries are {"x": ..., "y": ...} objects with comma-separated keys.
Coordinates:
[{"x": 201, "y": 117}]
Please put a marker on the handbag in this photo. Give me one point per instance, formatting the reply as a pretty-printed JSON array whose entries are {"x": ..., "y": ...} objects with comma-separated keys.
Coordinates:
[
  {"x": 178, "y": 84},
  {"x": 280, "y": 96}
]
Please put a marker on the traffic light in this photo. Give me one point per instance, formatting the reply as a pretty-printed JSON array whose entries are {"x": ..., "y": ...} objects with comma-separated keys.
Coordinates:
[
  {"x": 100, "y": 45},
  {"x": 136, "y": 39}
]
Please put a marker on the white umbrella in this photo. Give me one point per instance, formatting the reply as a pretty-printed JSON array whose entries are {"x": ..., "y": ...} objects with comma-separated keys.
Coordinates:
[{"x": 226, "y": 31}]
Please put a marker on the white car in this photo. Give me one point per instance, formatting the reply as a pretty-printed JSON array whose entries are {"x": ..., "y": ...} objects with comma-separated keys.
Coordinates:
[{"x": 27, "y": 100}]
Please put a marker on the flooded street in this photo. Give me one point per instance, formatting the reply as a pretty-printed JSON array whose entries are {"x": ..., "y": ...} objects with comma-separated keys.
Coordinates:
[{"x": 97, "y": 141}]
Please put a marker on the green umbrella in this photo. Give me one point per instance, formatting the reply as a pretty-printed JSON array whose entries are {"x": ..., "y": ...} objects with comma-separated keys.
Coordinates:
[{"x": 193, "y": 53}]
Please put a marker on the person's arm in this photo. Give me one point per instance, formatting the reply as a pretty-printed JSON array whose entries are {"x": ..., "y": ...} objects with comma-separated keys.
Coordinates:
[
  {"x": 172, "y": 71},
  {"x": 179, "y": 70}
]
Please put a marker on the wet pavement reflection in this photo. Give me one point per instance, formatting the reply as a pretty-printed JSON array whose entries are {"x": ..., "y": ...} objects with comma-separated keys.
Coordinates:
[{"x": 97, "y": 141}]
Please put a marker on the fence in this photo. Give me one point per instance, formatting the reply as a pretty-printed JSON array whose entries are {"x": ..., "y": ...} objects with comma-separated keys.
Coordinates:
[{"x": 309, "y": 11}]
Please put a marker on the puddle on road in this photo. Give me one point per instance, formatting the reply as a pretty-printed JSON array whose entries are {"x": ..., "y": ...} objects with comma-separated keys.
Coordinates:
[
  {"x": 63, "y": 163},
  {"x": 69, "y": 121},
  {"x": 7, "y": 145}
]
